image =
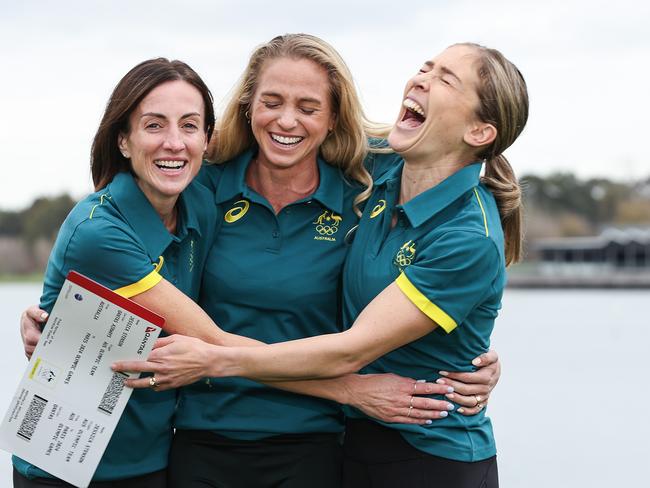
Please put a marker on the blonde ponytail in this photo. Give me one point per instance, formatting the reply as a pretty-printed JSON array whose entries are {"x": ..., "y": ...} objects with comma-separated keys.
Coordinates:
[
  {"x": 503, "y": 102},
  {"x": 502, "y": 182}
]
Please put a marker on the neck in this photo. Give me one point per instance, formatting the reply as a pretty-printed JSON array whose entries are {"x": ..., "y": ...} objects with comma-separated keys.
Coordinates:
[
  {"x": 282, "y": 186},
  {"x": 421, "y": 174},
  {"x": 165, "y": 207},
  {"x": 170, "y": 219}
]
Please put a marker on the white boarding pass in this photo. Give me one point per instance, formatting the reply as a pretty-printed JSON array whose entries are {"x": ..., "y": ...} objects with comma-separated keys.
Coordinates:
[{"x": 69, "y": 400}]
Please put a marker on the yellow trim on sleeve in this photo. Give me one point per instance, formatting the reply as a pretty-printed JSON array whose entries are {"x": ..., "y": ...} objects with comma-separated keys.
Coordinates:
[
  {"x": 427, "y": 307},
  {"x": 101, "y": 202},
  {"x": 158, "y": 266},
  {"x": 146, "y": 283},
  {"x": 480, "y": 204}
]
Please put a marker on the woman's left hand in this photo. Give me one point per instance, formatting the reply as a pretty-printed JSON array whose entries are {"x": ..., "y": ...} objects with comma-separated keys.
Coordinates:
[
  {"x": 175, "y": 361},
  {"x": 472, "y": 390}
]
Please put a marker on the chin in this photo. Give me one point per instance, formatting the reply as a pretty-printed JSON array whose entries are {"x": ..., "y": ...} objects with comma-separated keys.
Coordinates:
[{"x": 398, "y": 142}]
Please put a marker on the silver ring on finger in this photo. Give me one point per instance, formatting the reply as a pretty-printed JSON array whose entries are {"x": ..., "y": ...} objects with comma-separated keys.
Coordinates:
[
  {"x": 479, "y": 406},
  {"x": 410, "y": 410},
  {"x": 478, "y": 400},
  {"x": 411, "y": 402}
]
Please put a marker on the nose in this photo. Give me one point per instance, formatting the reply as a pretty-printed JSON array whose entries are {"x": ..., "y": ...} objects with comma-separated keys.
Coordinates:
[
  {"x": 173, "y": 140},
  {"x": 421, "y": 81},
  {"x": 287, "y": 119}
]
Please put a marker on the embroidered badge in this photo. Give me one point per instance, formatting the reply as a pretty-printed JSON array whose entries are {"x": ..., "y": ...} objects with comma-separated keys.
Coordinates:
[
  {"x": 326, "y": 225},
  {"x": 377, "y": 209},
  {"x": 238, "y": 210},
  {"x": 405, "y": 255}
]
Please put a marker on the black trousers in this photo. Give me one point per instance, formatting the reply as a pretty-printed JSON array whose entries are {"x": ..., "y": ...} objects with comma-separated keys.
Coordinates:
[
  {"x": 375, "y": 456},
  {"x": 202, "y": 459},
  {"x": 152, "y": 480}
]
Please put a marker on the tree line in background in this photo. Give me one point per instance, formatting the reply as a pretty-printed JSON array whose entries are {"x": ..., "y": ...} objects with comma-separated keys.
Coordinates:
[
  {"x": 559, "y": 205},
  {"x": 562, "y": 205}
]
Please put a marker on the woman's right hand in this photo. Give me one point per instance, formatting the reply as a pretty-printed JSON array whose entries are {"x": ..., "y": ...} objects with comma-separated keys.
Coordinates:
[
  {"x": 31, "y": 322},
  {"x": 391, "y": 398}
]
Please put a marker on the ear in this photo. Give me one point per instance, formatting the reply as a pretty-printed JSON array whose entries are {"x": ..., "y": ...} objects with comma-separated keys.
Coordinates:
[
  {"x": 332, "y": 124},
  {"x": 480, "y": 134},
  {"x": 121, "y": 143}
]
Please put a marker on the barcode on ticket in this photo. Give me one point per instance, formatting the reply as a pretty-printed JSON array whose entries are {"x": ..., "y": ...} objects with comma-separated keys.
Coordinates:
[
  {"x": 31, "y": 418},
  {"x": 112, "y": 393}
]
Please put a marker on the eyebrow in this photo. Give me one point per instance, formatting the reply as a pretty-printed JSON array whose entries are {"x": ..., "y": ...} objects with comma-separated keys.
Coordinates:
[
  {"x": 445, "y": 70},
  {"x": 303, "y": 99},
  {"x": 449, "y": 72},
  {"x": 162, "y": 116}
]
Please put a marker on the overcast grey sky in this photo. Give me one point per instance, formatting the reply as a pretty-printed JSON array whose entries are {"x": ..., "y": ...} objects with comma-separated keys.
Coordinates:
[{"x": 586, "y": 64}]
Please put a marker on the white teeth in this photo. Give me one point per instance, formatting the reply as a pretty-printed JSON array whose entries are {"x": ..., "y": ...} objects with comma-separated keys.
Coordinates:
[
  {"x": 411, "y": 105},
  {"x": 170, "y": 164},
  {"x": 286, "y": 140}
]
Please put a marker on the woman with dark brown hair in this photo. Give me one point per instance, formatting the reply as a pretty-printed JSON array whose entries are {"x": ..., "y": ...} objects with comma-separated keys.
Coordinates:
[{"x": 136, "y": 234}]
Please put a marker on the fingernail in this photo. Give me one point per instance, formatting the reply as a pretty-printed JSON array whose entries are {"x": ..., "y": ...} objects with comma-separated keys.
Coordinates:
[
  {"x": 443, "y": 414},
  {"x": 461, "y": 410},
  {"x": 443, "y": 373},
  {"x": 450, "y": 396},
  {"x": 440, "y": 381},
  {"x": 421, "y": 381},
  {"x": 429, "y": 422},
  {"x": 450, "y": 406},
  {"x": 476, "y": 361},
  {"x": 450, "y": 389},
  {"x": 44, "y": 316}
]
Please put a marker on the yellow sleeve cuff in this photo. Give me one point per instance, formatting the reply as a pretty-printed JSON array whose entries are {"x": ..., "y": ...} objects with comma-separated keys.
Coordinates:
[
  {"x": 146, "y": 283},
  {"x": 427, "y": 307}
]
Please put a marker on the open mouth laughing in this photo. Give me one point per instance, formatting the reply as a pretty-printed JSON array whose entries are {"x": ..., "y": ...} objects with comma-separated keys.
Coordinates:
[{"x": 413, "y": 115}]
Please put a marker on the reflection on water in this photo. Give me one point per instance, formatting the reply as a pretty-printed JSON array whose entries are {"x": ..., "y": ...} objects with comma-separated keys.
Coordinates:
[{"x": 569, "y": 410}]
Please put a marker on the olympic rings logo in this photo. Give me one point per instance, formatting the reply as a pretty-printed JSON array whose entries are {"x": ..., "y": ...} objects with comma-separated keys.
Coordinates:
[
  {"x": 237, "y": 212},
  {"x": 326, "y": 230},
  {"x": 402, "y": 260},
  {"x": 327, "y": 223},
  {"x": 405, "y": 255},
  {"x": 379, "y": 208}
]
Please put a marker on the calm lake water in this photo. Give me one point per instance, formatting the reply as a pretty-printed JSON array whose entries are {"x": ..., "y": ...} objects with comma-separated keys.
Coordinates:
[{"x": 571, "y": 407}]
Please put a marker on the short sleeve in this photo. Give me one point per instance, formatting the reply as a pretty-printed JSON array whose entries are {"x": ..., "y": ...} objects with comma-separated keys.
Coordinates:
[
  {"x": 112, "y": 256},
  {"x": 451, "y": 276}
]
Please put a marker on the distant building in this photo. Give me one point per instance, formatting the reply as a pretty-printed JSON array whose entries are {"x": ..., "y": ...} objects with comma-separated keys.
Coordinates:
[{"x": 619, "y": 248}]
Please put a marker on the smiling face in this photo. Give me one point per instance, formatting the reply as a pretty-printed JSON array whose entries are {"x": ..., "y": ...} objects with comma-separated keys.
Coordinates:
[
  {"x": 166, "y": 140},
  {"x": 291, "y": 112},
  {"x": 438, "y": 116}
]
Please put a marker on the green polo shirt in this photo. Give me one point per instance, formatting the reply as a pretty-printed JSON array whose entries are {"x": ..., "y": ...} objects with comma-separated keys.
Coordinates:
[
  {"x": 273, "y": 278},
  {"x": 115, "y": 237},
  {"x": 446, "y": 253}
]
